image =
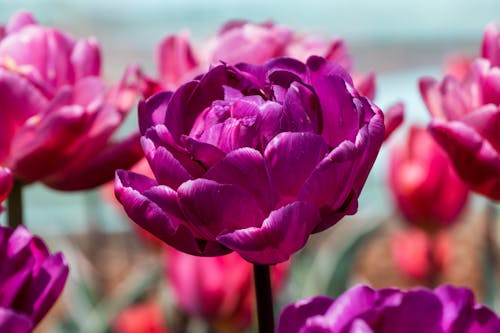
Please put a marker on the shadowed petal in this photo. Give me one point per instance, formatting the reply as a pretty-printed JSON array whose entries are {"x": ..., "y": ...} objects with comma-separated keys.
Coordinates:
[
  {"x": 295, "y": 315},
  {"x": 6, "y": 182},
  {"x": 214, "y": 208},
  {"x": 152, "y": 110},
  {"x": 13, "y": 322},
  {"x": 283, "y": 233}
]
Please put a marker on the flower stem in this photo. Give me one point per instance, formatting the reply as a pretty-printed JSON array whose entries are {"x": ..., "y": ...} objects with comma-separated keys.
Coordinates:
[
  {"x": 15, "y": 205},
  {"x": 264, "y": 297}
]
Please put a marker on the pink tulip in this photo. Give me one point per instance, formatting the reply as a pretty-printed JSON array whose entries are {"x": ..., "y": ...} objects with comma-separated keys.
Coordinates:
[
  {"x": 6, "y": 182},
  {"x": 467, "y": 118},
  {"x": 242, "y": 41},
  {"x": 217, "y": 289},
  {"x": 427, "y": 191},
  {"x": 57, "y": 115}
]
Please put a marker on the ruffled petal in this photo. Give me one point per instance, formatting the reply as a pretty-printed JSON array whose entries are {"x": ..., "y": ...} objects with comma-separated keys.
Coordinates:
[
  {"x": 215, "y": 208},
  {"x": 273, "y": 242},
  {"x": 294, "y": 316},
  {"x": 152, "y": 110},
  {"x": 291, "y": 158},
  {"x": 245, "y": 167}
]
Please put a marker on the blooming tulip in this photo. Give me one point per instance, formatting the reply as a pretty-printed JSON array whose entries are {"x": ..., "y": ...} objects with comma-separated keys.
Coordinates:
[
  {"x": 425, "y": 186},
  {"x": 467, "y": 118},
  {"x": 244, "y": 154},
  {"x": 361, "y": 309},
  {"x": 57, "y": 115},
  {"x": 243, "y": 41},
  {"x": 31, "y": 280},
  {"x": 218, "y": 289}
]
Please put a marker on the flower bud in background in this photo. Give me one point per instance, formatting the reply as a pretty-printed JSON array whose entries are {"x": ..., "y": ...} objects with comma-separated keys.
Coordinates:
[
  {"x": 445, "y": 309},
  {"x": 217, "y": 289},
  {"x": 6, "y": 182},
  {"x": 140, "y": 318},
  {"x": 57, "y": 115},
  {"x": 466, "y": 118},
  {"x": 243, "y": 41},
  {"x": 426, "y": 189},
  {"x": 245, "y": 153},
  {"x": 31, "y": 280}
]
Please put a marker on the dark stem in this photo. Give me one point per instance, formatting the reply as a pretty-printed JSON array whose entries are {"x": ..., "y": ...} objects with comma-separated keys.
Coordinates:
[
  {"x": 432, "y": 255},
  {"x": 264, "y": 298},
  {"x": 15, "y": 205}
]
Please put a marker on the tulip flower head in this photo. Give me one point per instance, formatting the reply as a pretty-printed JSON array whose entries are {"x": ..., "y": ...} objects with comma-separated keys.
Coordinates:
[
  {"x": 466, "y": 117},
  {"x": 57, "y": 115},
  {"x": 426, "y": 188},
  {"x": 244, "y": 154},
  {"x": 31, "y": 280},
  {"x": 361, "y": 309}
]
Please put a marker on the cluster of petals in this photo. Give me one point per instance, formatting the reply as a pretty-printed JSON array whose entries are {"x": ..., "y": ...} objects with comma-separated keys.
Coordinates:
[
  {"x": 466, "y": 117},
  {"x": 31, "y": 279},
  {"x": 424, "y": 184},
  {"x": 243, "y": 41},
  {"x": 57, "y": 115},
  {"x": 244, "y": 154},
  {"x": 217, "y": 289},
  {"x": 361, "y": 309}
]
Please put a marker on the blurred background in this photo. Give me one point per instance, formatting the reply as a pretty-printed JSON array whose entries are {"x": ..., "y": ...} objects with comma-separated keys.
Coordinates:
[{"x": 399, "y": 41}]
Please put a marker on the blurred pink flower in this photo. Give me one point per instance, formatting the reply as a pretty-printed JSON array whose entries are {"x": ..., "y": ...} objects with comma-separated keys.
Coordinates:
[
  {"x": 243, "y": 41},
  {"x": 57, "y": 115},
  {"x": 466, "y": 117},
  {"x": 426, "y": 189},
  {"x": 217, "y": 289},
  {"x": 6, "y": 182},
  {"x": 140, "y": 318},
  {"x": 419, "y": 256}
]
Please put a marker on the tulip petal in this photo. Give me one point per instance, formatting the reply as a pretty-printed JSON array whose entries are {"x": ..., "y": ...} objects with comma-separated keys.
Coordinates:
[
  {"x": 13, "y": 322},
  {"x": 245, "y": 167},
  {"x": 394, "y": 117},
  {"x": 486, "y": 122},
  {"x": 295, "y": 315},
  {"x": 18, "y": 21},
  {"x": 214, "y": 208},
  {"x": 131, "y": 190},
  {"x": 178, "y": 115},
  {"x": 457, "y": 307},
  {"x": 273, "y": 242},
  {"x": 86, "y": 58},
  {"x": 291, "y": 158},
  {"x": 167, "y": 170},
  {"x": 475, "y": 160},
  {"x": 6, "y": 182},
  {"x": 152, "y": 110}
]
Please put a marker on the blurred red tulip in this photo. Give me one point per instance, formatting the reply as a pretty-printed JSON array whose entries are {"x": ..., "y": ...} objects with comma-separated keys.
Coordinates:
[
  {"x": 140, "y": 318},
  {"x": 427, "y": 191}
]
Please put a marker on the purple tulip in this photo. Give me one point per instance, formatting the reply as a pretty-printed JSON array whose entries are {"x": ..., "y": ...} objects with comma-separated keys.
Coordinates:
[
  {"x": 361, "y": 309},
  {"x": 253, "y": 158},
  {"x": 31, "y": 279},
  {"x": 466, "y": 116},
  {"x": 57, "y": 115}
]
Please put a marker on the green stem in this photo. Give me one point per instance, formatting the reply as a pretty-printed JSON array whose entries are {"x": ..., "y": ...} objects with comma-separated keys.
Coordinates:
[
  {"x": 264, "y": 298},
  {"x": 15, "y": 205}
]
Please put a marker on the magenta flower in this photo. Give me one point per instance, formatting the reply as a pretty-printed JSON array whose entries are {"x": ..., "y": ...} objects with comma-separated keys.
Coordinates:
[
  {"x": 467, "y": 118},
  {"x": 242, "y": 41},
  {"x": 244, "y": 154},
  {"x": 6, "y": 182},
  {"x": 217, "y": 289},
  {"x": 57, "y": 115},
  {"x": 361, "y": 309},
  {"x": 426, "y": 188},
  {"x": 31, "y": 279}
]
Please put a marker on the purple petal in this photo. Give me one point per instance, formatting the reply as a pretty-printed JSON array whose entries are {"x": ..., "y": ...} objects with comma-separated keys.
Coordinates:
[
  {"x": 214, "y": 208},
  {"x": 152, "y": 110},
  {"x": 202, "y": 153},
  {"x": 179, "y": 117},
  {"x": 155, "y": 209},
  {"x": 319, "y": 67},
  {"x": 485, "y": 321},
  {"x": 273, "y": 242},
  {"x": 294, "y": 316},
  {"x": 458, "y": 306},
  {"x": 291, "y": 158},
  {"x": 245, "y": 167},
  {"x": 12, "y": 322}
]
